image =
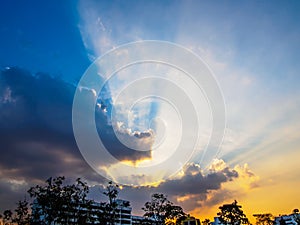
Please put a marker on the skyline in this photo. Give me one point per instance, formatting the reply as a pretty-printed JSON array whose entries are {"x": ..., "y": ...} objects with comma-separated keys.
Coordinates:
[
  {"x": 252, "y": 49},
  {"x": 290, "y": 218}
]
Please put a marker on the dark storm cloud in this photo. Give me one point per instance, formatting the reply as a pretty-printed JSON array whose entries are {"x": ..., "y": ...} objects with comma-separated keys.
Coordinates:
[
  {"x": 36, "y": 136},
  {"x": 194, "y": 181},
  {"x": 35, "y": 122},
  {"x": 193, "y": 184},
  {"x": 9, "y": 194}
]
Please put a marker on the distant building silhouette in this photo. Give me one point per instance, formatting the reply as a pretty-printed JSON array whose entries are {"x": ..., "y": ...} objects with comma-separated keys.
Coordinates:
[
  {"x": 123, "y": 212},
  {"x": 285, "y": 220},
  {"x": 191, "y": 221},
  {"x": 216, "y": 221},
  {"x": 122, "y": 217}
]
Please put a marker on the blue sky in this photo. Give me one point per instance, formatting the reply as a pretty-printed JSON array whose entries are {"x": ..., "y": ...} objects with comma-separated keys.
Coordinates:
[
  {"x": 42, "y": 36},
  {"x": 252, "y": 47}
]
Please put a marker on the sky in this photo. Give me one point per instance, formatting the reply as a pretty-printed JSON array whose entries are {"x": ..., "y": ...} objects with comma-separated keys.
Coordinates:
[{"x": 250, "y": 49}]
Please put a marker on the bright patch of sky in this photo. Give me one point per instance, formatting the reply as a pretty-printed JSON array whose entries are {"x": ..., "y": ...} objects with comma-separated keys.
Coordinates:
[{"x": 252, "y": 47}]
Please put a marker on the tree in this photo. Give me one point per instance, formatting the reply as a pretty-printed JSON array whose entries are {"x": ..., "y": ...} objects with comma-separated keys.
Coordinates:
[
  {"x": 296, "y": 216},
  {"x": 180, "y": 219},
  {"x": 76, "y": 196},
  {"x": 7, "y": 217},
  {"x": 264, "y": 219},
  {"x": 47, "y": 205},
  {"x": 282, "y": 221},
  {"x": 22, "y": 215},
  {"x": 231, "y": 214},
  {"x": 59, "y": 203},
  {"x": 160, "y": 208},
  {"x": 110, "y": 208},
  {"x": 206, "y": 222}
]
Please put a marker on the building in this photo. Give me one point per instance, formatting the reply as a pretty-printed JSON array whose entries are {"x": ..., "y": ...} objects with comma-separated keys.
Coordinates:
[
  {"x": 216, "y": 221},
  {"x": 278, "y": 220},
  {"x": 96, "y": 213},
  {"x": 123, "y": 210},
  {"x": 190, "y": 220},
  {"x": 137, "y": 220},
  {"x": 285, "y": 220}
]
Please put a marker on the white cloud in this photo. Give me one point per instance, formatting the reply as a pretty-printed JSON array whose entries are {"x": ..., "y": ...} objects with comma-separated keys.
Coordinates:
[{"x": 7, "y": 96}]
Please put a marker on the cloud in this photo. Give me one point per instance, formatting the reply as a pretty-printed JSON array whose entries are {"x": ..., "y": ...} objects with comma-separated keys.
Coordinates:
[
  {"x": 192, "y": 178},
  {"x": 193, "y": 189},
  {"x": 130, "y": 22},
  {"x": 201, "y": 194},
  {"x": 36, "y": 133}
]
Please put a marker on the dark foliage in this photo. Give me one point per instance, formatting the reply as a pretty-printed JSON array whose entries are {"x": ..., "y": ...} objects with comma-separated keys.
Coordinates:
[
  {"x": 160, "y": 208},
  {"x": 232, "y": 214}
]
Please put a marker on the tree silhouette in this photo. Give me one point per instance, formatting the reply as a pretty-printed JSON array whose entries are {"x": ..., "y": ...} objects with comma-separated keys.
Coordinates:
[
  {"x": 59, "y": 203},
  {"x": 7, "y": 217},
  {"x": 206, "y": 222},
  {"x": 282, "y": 221},
  {"x": 110, "y": 209},
  {"x": 160, "y": 208},
  {"x": 180, "y": 219},
  {"x": 22, "y": 216},
  {"x": 231, "y": 214},
  {"x": 264, "y": 219},
  {"x": 296, "y": 216}
]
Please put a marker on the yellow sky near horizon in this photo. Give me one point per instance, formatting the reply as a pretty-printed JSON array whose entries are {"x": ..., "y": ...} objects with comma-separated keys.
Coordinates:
[{"x": 275, "y": 189}]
